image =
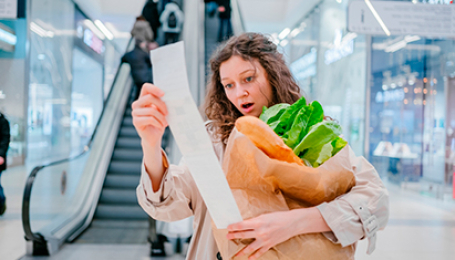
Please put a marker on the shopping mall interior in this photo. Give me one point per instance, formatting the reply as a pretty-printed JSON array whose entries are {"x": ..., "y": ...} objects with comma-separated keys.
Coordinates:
[{"x": 383, "y": 70}]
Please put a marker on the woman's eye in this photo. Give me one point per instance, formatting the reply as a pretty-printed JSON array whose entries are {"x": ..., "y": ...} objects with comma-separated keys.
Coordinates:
[
  {"x": 249, "y": 79},
  {"x": 228, "y": 86}
]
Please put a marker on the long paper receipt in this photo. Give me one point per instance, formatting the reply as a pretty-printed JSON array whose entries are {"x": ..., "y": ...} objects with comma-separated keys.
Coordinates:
[{"x": 187, "y": 126}]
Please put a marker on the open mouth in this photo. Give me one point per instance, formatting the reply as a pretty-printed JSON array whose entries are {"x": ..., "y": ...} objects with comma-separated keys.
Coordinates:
[{"x": 247, "y": 105}]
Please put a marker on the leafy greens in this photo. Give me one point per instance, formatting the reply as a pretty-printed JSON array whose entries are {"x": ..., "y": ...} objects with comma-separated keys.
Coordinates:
[{"x": 302, "y": 128}]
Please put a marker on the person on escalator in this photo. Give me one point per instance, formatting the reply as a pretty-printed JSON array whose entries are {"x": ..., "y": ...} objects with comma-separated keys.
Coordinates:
[
  {"x": 224, "y": 14},
  {"x": 4, "y": 144},
  {"x": 141, "y": 67},
  {"x": 139, "y": 58},
  {"x": 151, "y": 14},
  {"x": 172, "y": 22}
]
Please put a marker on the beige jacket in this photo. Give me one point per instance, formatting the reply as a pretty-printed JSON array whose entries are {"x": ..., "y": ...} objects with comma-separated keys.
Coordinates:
[{"x": 353, "y": 216}]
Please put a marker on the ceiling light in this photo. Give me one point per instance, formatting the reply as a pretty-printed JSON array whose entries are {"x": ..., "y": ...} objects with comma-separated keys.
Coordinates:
[
  {"x": 378, "y": 18},
  {"x": 295, "y": 32},
  {"x": 103, "y": 29},
  {"x": 89, "y": 24},
  {"x": 39, "y": 27},
  {"x": 284, "y": 43},
  {"x": 396, "y": 46},
  {"x": 8, "y": 37},
  {"x": 40, "y": 31},
  {"x": 411, "y": 38},
  {"x": 284, "y": 33},
  {"x": 349, "y": 37}
]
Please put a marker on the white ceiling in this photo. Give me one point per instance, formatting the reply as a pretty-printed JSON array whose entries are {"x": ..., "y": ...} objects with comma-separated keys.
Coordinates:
[
  {"x": 120, "y": 13},
  {"x": 266, "y": 16},
  {"x": 272, "y": 16}
]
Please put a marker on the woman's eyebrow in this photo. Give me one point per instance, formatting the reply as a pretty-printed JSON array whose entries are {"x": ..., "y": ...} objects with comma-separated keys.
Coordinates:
[
  {"x": 224, "y": 79},
  {"x": 248, "y": 70}
]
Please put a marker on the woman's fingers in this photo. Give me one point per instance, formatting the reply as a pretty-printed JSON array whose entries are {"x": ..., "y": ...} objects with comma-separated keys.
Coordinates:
[
  {"x": 148, "y": 121},
  {"x": 242, "y": 234},
  {"x": 249, "y": 224},
  {"x": 150, "y": 111},
  {"x": 148, "y": 100},
  {"x": 258, "y": 253},
  {"x": 256, "y": 247},
  {"x": 149, "y": 88}
]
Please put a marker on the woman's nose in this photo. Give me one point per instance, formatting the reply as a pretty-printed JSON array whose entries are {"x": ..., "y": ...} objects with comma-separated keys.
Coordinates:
[{"x": 241, "y": 91}]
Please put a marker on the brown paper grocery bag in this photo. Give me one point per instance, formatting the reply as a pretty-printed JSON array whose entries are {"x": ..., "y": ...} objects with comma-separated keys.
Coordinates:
[{"x": 262, "y": 185}]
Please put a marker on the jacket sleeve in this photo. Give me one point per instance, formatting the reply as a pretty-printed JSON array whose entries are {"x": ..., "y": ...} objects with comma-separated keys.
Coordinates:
[
  {"x": 5, "y": 136},
  {"x": 174, "y": 200},
  {"x": 361, "y": 212},
  {"x": 177, "y": 197}
]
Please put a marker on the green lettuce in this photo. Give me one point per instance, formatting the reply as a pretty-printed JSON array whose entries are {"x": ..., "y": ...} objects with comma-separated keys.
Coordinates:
[
  {"x": 319, "y": 134},
  {"x": 302, "y": 128}
]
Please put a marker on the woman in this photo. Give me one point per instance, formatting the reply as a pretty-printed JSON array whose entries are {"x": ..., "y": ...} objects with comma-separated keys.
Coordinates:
[{"x": 247, "y": 74}]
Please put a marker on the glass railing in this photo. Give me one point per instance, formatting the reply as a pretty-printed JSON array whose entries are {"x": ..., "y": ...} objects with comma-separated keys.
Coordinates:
[
  {"x": 60, "y": 196},
  {"x": 237, "y": 19}
]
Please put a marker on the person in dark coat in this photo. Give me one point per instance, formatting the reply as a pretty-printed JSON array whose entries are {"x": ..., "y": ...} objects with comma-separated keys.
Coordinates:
[
  {"x": 151, "y": 14},
  {"x": 224, "y": 13},
  {"x": 141, "y": 67},
  {"x": 4, "y": 145}
]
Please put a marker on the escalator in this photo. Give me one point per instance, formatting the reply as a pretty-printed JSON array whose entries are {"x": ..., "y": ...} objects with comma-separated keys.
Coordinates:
[
  {"x": 100, "y": 207},
  {"x": 118, "y": 218},
  {"x": 94, "y": 189}
]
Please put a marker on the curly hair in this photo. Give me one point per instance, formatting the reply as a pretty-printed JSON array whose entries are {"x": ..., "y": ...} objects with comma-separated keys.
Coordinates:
[{"x": 218, "y": 109}]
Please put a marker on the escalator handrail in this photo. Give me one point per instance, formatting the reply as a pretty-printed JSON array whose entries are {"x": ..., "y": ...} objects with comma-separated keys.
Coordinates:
[{"x": 29, "y": 234}]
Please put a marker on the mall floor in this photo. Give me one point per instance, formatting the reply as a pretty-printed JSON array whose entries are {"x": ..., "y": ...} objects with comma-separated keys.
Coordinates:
[{"x": 419, "y": 228}]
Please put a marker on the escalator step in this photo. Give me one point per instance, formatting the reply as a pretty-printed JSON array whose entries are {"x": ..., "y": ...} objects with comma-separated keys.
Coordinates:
[
  {"x": 120, "y": 212},
  {"x": 128, "y": 131},
  {"x": 122, "y": 154},
  {"x": 129, "y": 142},
  {"x": 121, "y": 181},
  {"x": 118, "y": 197},
  {"x": 127, "y": 168},
  {"x": 128, "y": 111},
  {"x": 127, "y": 121},
  {"x": 103, "y": 231}
]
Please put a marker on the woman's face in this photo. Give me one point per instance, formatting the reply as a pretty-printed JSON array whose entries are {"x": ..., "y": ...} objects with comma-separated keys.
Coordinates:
[{"x": 246, "y": 85}]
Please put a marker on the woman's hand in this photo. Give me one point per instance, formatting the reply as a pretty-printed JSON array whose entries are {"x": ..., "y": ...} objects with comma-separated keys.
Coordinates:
[
  {"x": 268, "y": 230},
  {"x": 149, "y": 115}
]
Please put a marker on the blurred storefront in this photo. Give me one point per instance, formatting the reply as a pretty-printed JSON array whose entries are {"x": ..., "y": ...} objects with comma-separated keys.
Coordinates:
[
  {"x": 393, "y": 95},
  {"x": 13, "y": 63},
  {"x": 57, "y": 79}
]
